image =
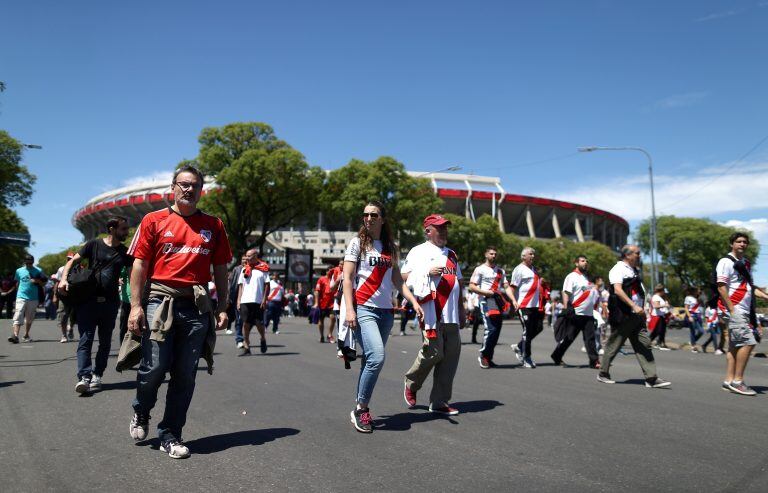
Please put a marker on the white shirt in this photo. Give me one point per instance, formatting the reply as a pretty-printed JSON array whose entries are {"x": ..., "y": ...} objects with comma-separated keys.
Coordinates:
[
  {"x": 663, "y": 308},
  {"x": 528, "y": 285},
  {"x": 489, "y": 278},
  {"x": 621, "y": 271},
  {"x": 693, "y": 305},
  {"x": 373, "y": 283},
  {"x": 253, "y": 286},
  {"x": 447, "y": 291},
  {"x": 739, "y": 290},
  {"x": 583, "y": 294},
  {"x": 276, "y": 291}
]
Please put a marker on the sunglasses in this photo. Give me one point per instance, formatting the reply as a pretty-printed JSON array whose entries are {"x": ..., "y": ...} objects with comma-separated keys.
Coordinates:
[{"x": 372, "y": 215}]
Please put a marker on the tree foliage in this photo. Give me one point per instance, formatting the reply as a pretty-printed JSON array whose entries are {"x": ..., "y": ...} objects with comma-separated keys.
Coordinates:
[
  {"x": 15, "y": 179},
  {"x": 690, "y": 247},
  {"x": 11, "y": 256},
  {"x": 407, "y": 200},
  {"x": 470, "y": 239},
  {"x": 266, "y": 184}
]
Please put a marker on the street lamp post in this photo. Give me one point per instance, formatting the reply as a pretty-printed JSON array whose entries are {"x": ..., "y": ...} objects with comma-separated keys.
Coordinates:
[
  {"x": 450, "y": 168},
  {"x": 654, "y": 245},
  {"x": 31, "y": 146}
]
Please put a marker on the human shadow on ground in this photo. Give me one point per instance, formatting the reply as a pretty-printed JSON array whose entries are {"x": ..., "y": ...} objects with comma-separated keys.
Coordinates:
[
  {"x": 219, "y": 443},
  {"x": 632, "y": 381},
  {"x": 125, "y": 385},
  {"x": 759, "y": 389},
  {"x": 9, "y": 383},
  {"x": 403, "y": 421}
]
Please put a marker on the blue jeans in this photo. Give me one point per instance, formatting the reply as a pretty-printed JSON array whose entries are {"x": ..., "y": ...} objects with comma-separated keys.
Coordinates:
[
  {"x": 492, "y": 325},
  {"x": 179, "y": 354},
  {"x": 274, "y": 310},
  {"x": 696, "y": 329},
  {"x": 373, "y": 329},
  {"x": 90, "y": 316}
]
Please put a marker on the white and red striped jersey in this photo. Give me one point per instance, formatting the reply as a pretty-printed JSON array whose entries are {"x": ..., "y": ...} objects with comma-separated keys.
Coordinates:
[
  {"x": 582, "y": 294},
  {"x": 276, "y": 291},
  {"x": 447, "y": 291},
  {"x": 489, "y": 278},
  {"x": 373, "y": 283},
  {"x": 528, "y": 284},
  {"x": 693, "y": 305},
  {"x": 739, "y": 289}
]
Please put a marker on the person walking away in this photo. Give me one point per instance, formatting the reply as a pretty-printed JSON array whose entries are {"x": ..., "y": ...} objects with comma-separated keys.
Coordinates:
[
  {"x": 659, "y": 316},
  {"x": 693, "y": 316},
  {"x": 528, "y": 301}
]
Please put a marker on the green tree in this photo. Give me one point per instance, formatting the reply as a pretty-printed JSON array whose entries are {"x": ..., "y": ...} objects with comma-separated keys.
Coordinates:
[
  {"x": 407, "y": 200},
  {"x": 11, "y": 256},
  {"x": 15, "y": 189},
  {"x": 265, "y": 183},
  {"x": 690, "y": 247},
  {"x": 470, "y": 239}
]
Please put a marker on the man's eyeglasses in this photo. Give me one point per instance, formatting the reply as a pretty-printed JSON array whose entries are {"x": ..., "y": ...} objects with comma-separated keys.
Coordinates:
[
  {"x": 186, "y": 185},
  {"x": 372, "y": 215}
]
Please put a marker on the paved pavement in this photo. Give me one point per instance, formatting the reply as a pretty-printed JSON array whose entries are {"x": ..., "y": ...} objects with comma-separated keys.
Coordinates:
[{"x": 280, "y": 422}]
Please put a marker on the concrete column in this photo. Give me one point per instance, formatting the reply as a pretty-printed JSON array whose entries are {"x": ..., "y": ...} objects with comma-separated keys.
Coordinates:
[
  {"x": 500, "y": 217},
  {"x": 556, "y": 225},
  {"x": 529, "y": 222},
  {"x": 577, "y": 227}
]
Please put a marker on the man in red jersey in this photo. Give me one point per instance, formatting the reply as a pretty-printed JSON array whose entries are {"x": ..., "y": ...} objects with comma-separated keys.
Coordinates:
[
  {"x": 174, "y": 250},
  {"x": 324, "y": 294}
]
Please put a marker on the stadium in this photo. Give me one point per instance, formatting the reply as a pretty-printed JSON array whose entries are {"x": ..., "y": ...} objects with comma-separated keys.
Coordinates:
[{"x": 467, "y": 195}]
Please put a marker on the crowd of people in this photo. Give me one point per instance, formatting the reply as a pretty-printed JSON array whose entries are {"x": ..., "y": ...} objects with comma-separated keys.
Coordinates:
[{"x": 173, "y": 290}]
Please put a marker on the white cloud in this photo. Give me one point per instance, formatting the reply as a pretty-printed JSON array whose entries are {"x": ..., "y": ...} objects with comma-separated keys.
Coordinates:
[
  {"x": 696, "y": 194},
  {"x": 679, "y": 100},
  {"x": 719, "y": 15},
  {"x": 156, "y": 177}
]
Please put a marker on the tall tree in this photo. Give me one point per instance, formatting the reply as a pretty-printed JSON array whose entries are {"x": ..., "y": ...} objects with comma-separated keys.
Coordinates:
[
  {"x": 407, "y": 200},
  {"x": 690, "y": 247},
  {"x": 265, "y": 184},
  {"x": 15, "y": 189}
]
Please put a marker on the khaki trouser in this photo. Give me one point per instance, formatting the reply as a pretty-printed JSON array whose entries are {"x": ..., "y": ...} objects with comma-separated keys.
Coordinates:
[
  {"x": 442, "y": 354},
  {"x": 632, "y": 328}
]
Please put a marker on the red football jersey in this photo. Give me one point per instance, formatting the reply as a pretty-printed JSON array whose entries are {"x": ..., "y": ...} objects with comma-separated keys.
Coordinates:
[{"x": 179, "y": 251}]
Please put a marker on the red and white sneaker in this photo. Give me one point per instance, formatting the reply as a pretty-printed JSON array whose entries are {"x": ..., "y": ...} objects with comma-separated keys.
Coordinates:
[
  {"x": 444, "y": 410},
  {"x": 409, "y": 396}
]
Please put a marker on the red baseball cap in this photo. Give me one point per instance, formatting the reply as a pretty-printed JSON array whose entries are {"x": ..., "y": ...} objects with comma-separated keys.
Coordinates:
[
  {"x": 70, "y": 254},
  {"x": 435, "y": 220}
]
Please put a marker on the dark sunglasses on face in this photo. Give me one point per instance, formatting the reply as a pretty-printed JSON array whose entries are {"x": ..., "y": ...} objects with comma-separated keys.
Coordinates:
[{"x": 372, "y": 215}]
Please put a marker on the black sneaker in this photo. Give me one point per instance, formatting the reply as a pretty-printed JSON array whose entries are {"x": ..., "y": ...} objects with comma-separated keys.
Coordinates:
[
  {"x": 83, "y": 386},
  {"x": 263, "y": 346},
  {"x": 657, "y": 383},
  {"x": 175, "y": 449},
  {"x": 244, "y": 351},
  {"x": 604, "y": 378},
  {"x": 362, "y": 420},
  {"x": 13, "y": 339},
  {"x": 139, "y": 426}
]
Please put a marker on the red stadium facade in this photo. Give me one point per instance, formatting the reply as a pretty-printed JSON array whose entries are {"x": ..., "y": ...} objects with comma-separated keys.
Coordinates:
[{"x": 468, "y": 195}]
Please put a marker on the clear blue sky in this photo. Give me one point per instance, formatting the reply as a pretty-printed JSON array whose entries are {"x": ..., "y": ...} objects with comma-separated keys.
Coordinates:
[{"x": 118, "y": 90}]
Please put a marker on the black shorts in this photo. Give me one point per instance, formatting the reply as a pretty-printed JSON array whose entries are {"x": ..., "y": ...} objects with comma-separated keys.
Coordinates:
[{"x": 251, "y": 313}]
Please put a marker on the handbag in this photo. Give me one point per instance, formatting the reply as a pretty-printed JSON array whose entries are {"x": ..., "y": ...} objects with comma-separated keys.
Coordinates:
[{"x": 84, "y": 283}]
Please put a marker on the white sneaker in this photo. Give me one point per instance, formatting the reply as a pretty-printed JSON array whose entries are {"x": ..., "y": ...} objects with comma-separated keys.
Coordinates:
[
  {"x": 518, "y": 353},
  {"x": 240, "y": 345},
  {"x": 83, "y": 386},
  {"x": 601, "y": 352},
  {"x": 228, "y": 332},
  {"x": 583, "y": 349},
  {"x": 175, "y": 449},
  {"x": 139, "y": 426},
  {"x": 95, "y": 385},
  {"x": 718, "y": 352},
  {"x": 63, "y": 339}
]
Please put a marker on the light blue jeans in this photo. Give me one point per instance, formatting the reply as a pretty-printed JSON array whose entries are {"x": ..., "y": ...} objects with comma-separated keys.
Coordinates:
[{"x": 371, "y": 335}]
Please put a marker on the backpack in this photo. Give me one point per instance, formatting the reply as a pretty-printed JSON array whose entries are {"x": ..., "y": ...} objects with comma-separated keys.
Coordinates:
[{"x": 741, "y": 267}]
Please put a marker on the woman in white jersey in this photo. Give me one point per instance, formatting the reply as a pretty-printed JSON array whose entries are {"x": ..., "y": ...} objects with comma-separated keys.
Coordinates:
[
  {"x": 659, "y": 316},
  {"x": 370, "y": 274}
]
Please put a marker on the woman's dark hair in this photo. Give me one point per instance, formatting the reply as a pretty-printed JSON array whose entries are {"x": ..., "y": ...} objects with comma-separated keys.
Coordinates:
[
  {"x": 188, "y": 168},
  {"x": 387, "y": 240}
]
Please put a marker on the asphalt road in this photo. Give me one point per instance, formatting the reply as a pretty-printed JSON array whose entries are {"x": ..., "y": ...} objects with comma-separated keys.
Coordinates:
[{"x": 280, "y": 422}]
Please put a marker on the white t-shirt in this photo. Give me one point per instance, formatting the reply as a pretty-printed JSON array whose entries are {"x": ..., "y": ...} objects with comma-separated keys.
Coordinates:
[
  {"x": 447, "y": 294},
  {"x": 253, "y": 285},
  {"x": 583, "y": 294},
  {"x": 622, "y": 271},
  {"x": 489, "y": 278},
  {"x": 373, "y": 283},
  {"x": 693, "y": 305},
  {"x": 663, "y": 308},
  {"x": 739, "y": 290},
  {"x": 528, "y": 285},
  {"x": 276, "y": 291}
]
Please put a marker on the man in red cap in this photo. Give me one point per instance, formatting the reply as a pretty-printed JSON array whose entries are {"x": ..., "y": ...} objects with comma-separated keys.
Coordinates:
[{"x": 433, "y": 270}]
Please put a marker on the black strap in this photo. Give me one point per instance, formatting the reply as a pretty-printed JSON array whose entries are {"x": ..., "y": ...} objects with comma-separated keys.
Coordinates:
[{"x": 99, "y": 265}]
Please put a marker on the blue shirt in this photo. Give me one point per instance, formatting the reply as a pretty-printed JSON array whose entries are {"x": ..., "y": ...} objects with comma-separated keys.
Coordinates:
[{"x": 27, "y": 289}]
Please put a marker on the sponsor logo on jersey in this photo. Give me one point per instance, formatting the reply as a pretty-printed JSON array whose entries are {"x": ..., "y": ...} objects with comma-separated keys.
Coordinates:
[
  {"x": 168, "y": 234},
  {"x": 171, "y": 248},
  {"x": 380, "y": 261}
]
